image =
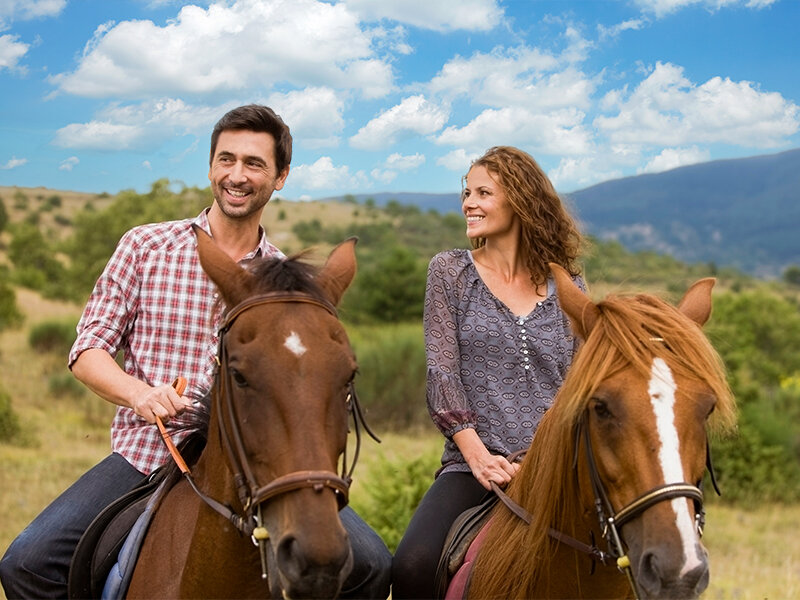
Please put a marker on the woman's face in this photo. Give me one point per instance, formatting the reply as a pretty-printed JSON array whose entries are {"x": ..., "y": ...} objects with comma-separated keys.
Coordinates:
[{"x": 485, "y": 207}]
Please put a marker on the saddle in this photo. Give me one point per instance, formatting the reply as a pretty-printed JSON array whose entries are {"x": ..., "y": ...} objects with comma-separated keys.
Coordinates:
[
  {"x": 461, "y": 535},
  {"x": 99, "y": 549}
]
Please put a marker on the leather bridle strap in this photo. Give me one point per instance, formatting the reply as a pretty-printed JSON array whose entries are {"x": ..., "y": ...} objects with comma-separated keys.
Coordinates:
[
  {"x": 523, "y": 514},
  {"x": 656, "y": 495}
]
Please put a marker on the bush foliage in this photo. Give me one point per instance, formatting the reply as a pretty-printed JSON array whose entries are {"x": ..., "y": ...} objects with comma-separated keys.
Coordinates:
[{"x": 53, "y": 336}]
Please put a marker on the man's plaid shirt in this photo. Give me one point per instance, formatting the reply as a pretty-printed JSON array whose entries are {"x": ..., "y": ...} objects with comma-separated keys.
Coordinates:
[{"x": 154, "y": 303}]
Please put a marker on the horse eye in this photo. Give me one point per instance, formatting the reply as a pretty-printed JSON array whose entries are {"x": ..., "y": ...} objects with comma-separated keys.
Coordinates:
[
  {"x": 238, "y": 378},
  {"x": 601, "y": 409}
]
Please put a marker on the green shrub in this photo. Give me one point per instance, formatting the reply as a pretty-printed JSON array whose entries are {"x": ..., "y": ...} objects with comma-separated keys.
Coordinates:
[
  {"x": 10, "y": 316},
  {"x": 392, "y": 491},
  {"x": 9, "y": 421},
  {"x": 65, "y": 385},
  {"x": 750, "y": 470},
  {"x": 391, "y": 374},
  {"x": 52, "y": 336}
]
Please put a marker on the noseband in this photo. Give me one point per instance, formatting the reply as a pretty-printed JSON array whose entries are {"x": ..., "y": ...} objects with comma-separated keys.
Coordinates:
[{"x": 252, "y": 495}]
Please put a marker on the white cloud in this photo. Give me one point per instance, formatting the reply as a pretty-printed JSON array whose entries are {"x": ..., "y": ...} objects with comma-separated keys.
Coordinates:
[
  {"x": 231, "y": 47},
  {"x": 68, "y": 163},
  {"x": 13, "y": 163},
  {"x": 470, "y": 15},
  {"x": 23, "y": 10},
  {"x": 383, "y": 176},
  {"x": 408, "y": 162},
  {"x": 582, "y": 171},
  {"x": 11, "y": 50},
  {"x": 661, "y": 8},
  {"x": 672, "y": 158},
  {"x": 457, "y": 160},
  {"x": 136, "y": 126},
  {"x": 323, "y": 174},
  {"x": 519, "y": 76},
  {"x": 666, "y": 109},
  {"x": 616, "y": 30},
  {"x": 557, "y": 132},
  {"x": 414, "y": 115},
  {"x": 314, "y": 115}
]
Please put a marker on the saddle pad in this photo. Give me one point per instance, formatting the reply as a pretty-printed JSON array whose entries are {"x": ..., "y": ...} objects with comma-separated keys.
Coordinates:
[
  {"x": 121, "y": 571},
  {"x": 457, "y": 590},
  {"x": 463, "y": 531}
]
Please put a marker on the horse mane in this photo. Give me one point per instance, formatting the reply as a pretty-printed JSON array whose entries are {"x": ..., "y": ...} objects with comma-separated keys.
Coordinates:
[
  {"x": 630, "y": 332},
  {"x": 291, "y": 274}
]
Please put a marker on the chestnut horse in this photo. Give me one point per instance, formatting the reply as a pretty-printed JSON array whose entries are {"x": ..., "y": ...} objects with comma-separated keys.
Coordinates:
[
  {"x": 611, "y": 483},
  {"x": 263, "y": 519}
]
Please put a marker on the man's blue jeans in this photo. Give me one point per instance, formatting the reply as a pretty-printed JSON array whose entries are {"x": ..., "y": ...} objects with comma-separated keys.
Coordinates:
[{"x": 36, "y": 564}]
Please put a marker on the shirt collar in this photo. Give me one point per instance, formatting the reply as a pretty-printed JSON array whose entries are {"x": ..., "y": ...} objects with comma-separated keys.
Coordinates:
[{"x": 263, "y": 248}]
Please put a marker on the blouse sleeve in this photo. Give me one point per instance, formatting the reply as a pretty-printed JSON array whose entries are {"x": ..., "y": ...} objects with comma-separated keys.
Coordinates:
[{"x": 446, "y": 398}]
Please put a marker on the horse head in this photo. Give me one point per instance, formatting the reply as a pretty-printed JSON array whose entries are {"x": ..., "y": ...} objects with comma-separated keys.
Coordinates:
[
  {"x": 279, "y": 413},
  {"x": 644, "y": 386}
]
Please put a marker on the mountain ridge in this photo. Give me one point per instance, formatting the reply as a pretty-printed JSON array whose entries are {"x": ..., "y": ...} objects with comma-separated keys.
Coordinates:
[{"x": 738, "y": 212}]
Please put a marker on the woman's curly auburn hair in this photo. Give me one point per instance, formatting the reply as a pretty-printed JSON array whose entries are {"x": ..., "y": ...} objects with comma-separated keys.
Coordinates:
[{"x": 549, "y": 233}]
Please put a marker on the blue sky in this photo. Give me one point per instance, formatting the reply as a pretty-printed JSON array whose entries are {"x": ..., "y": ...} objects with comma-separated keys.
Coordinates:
[{"x": 392, "y": 95}]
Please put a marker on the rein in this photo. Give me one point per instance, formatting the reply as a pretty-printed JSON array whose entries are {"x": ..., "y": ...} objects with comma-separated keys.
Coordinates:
[
  {"x": 610, "y": 521},
  {"x": 251, "y": 494}
]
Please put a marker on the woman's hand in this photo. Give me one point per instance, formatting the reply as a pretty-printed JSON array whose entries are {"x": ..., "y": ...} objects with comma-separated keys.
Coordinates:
[{"x": 485, "y": 467}]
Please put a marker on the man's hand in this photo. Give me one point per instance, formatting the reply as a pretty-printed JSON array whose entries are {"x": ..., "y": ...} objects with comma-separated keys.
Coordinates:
[{"x": 162, "y": 402}]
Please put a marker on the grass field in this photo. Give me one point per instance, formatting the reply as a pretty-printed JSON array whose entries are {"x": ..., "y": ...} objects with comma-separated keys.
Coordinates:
[{"x": 755, "y": 552}]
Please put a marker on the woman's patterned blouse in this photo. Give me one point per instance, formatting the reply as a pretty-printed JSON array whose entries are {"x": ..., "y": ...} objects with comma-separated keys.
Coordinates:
[{"x": 489, "y": 369}]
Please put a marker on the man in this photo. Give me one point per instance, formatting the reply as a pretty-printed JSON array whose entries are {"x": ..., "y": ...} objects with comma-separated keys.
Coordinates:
[{"x": 152, "y": 302}]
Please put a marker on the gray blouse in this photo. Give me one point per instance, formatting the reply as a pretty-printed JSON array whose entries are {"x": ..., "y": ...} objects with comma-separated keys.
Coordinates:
[{"x": 489, "y": 369}]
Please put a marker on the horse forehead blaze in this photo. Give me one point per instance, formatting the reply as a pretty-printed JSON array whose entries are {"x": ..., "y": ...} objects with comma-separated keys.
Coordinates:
[
  {"x": 294, "y": 344},
  {"x": 662, "y": 391}
]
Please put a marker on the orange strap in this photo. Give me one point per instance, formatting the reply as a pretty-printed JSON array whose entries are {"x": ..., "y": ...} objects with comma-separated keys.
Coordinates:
[{"x": 180, "y": 386}]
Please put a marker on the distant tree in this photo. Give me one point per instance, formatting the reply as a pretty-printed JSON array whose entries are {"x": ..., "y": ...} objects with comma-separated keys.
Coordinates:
[
  {"x": 3, "y": 215},
  {"x": 791, "y": 275},
  {"x": 392, "y": 287},
  {"x": 10, "y": 315},
  {"x": 20, "y": 200},
  {"x": 308, "y": 232},
  {"x": 35, "y": 265}
]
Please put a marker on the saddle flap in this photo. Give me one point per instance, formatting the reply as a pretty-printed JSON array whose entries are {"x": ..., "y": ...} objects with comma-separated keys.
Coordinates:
[{"x": 97, "y": 549}]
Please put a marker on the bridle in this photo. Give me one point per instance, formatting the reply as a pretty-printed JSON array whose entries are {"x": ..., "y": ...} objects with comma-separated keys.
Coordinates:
[
  {"x": 611, "y": 521},
  {"x": 252, "y": 495}
]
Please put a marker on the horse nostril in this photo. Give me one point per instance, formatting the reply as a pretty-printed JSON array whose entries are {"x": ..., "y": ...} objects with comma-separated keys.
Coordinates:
[
  {"x": 697, "y": 578},
  {"x": 649, "y": 574},
  {"x": 291, "y": 561}
]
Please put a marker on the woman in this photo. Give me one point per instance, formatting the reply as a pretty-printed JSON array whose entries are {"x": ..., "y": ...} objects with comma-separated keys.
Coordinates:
[{"x": 497, "y": 345}]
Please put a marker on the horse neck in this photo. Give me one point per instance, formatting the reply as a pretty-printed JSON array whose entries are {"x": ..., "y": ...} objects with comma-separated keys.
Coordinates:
[
  {"x": 212, "y": 473},
  {"x": 521, "y": 560}
]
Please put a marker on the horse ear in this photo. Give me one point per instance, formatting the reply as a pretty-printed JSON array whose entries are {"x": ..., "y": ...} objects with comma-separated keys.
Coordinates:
[
  {"x": 338, "y": 272},
  {"x": 696, "y": 302},
  {"x": 582, "y": 312},
  {"x": 232, "y": 280}
]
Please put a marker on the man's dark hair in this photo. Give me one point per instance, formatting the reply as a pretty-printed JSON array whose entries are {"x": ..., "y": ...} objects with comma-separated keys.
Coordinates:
[{"x": 255, "y": 117}]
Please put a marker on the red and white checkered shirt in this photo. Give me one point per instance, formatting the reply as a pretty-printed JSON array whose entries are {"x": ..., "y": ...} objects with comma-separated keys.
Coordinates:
[{"x": 154, "y": 303}]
